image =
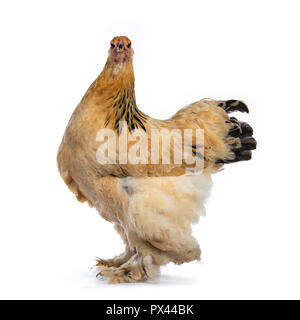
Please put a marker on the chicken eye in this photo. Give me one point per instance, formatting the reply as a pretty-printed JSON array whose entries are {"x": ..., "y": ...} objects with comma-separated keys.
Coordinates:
[
  {"x": 112, "y": 45},
  {"x": 129, "y": 45}
]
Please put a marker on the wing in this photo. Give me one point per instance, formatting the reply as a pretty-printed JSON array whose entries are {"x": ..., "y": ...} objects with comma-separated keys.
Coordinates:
[{"x": 223, "y": 139}]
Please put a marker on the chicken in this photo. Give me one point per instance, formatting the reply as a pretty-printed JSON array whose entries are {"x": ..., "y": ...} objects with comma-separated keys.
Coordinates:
[{"x": 152, "y": 205}]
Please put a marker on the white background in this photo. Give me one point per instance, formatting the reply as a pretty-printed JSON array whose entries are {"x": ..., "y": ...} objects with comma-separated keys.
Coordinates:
[{"x": 51, "y": 51}]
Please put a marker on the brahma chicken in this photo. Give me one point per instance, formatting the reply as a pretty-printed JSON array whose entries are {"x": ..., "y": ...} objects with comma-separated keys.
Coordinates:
[{"x": 152, "y": 206}]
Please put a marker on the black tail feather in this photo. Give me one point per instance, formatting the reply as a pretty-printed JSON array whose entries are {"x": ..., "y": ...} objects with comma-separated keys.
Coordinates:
[
  {"x": 241, "y": 130},
  {"x": 233, "y": 105},
  {"x": 247, "y": 130}
]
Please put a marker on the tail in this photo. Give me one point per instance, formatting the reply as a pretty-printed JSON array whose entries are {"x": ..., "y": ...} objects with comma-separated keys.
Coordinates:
[{"x": 241, "y": 130}]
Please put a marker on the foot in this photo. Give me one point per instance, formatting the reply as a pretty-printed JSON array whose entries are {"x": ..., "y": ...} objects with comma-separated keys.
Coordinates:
[
  {"x": 116, "y": 261},
  {"x": 136, "y": 269}
]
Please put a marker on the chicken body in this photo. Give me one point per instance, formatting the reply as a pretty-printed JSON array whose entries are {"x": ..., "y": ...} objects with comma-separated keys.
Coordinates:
[{"x": 151, "y": 205}]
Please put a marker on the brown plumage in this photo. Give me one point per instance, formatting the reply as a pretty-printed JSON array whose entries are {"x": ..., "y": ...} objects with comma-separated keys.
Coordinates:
[{"x": 151, "y": 205}]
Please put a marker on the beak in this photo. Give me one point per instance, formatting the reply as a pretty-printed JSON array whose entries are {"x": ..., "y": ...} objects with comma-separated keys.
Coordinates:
[{"x": 120, "y": 46}]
